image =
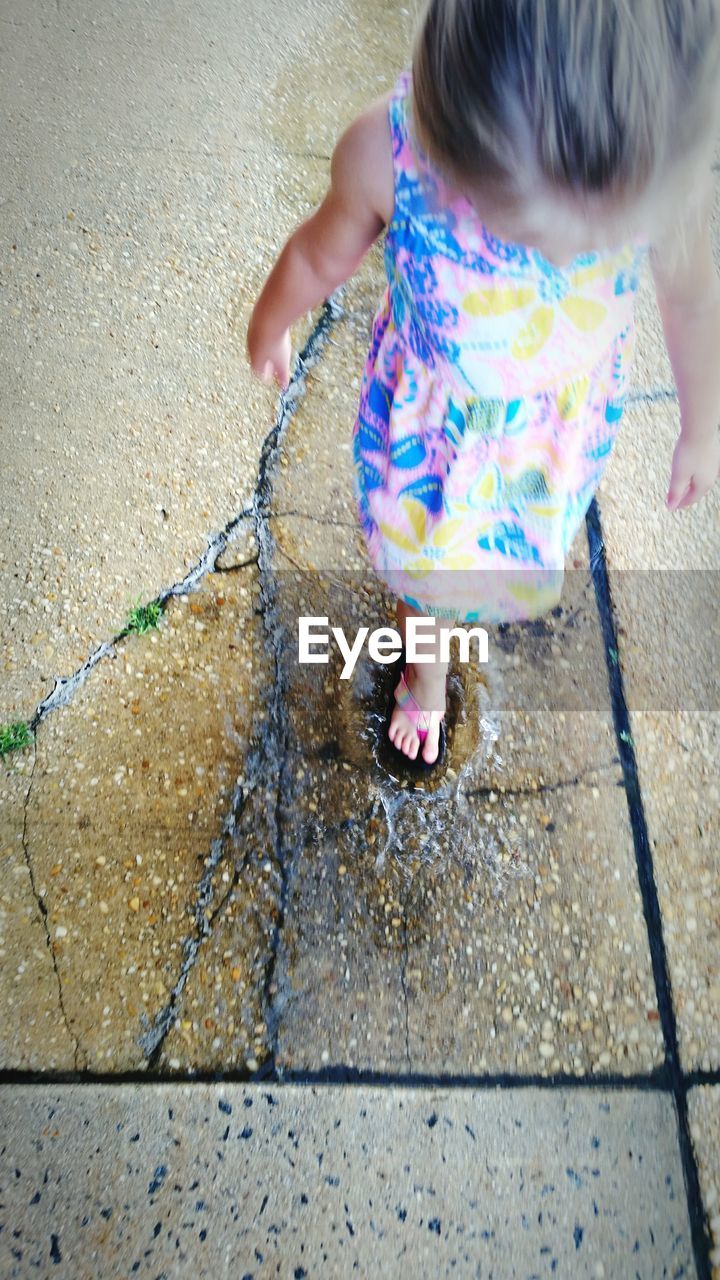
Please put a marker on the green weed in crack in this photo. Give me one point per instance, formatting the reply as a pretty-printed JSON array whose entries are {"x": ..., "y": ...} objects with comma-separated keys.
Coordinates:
[
  {"x": 143, "y": 617},
  {"x": 14, "y": 737}
]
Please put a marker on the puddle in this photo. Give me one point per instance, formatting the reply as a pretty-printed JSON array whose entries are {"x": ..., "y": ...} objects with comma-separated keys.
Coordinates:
[{"x": 429, "y": 821}]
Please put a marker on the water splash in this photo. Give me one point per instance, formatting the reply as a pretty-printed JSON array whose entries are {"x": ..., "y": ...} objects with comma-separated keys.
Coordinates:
[{"x": 456, "y": 817}]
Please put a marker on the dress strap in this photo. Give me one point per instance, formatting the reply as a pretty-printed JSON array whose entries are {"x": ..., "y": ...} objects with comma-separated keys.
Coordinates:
[{"x": 416, "y": 185}]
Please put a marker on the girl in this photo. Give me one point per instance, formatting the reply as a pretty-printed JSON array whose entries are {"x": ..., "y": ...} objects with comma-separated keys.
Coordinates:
[{"x": 524, "y": 164}]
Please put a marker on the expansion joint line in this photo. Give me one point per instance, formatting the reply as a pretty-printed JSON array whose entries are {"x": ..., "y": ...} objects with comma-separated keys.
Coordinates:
[{"x": 648, "y": 889}]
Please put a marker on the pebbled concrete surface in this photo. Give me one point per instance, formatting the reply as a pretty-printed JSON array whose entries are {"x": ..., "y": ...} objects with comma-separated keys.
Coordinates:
[
  {"x": 124, "y": 797},
  {"x": 240, "y": 1181},
  {"x": 704, "y": 1105}
]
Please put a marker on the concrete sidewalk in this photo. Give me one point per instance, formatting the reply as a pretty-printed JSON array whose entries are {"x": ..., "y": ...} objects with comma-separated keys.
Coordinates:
[{"x": 214, "y": 890}]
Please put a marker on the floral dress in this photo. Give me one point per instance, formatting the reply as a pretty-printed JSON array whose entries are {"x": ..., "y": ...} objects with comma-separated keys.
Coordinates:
[{"x": 491, "y": 396}]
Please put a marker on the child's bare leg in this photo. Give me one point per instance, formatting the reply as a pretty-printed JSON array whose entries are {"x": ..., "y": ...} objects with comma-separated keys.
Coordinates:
[{"x": 426, "y": 681}]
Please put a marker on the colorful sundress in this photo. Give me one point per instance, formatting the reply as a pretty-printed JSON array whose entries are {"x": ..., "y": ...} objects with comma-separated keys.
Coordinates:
[{"x": 491, "y": 397}]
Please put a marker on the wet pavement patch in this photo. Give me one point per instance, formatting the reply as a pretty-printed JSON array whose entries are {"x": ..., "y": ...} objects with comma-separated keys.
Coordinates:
[{"x": 127, "y": 791}]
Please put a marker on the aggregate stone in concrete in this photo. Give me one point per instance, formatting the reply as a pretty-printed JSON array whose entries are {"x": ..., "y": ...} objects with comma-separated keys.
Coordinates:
[
  {"x": 34, "y": 1031},
  {"x": 704, "y": 1109},
  {"x": 664, "y": 570},
  {"x": 127, "y": 800},
  {"x": 229, "y": 1181}
]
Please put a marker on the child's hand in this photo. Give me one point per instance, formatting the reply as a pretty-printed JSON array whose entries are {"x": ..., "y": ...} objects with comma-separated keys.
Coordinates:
[
  {"x": 695, "y": 468},
  {"x": 269, "y": 357}
]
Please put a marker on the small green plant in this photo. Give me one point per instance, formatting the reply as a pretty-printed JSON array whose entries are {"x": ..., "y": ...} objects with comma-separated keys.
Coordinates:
[
  {"x": 613, "y": 656},
  {"x": 13, "y": 737},
  {"x": 626, "y": 737},
  {"x": 143, "y": 616}
]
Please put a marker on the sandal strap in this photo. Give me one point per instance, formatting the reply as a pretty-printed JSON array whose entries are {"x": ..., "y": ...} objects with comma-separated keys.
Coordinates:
[{"x": 408, "y": 703}]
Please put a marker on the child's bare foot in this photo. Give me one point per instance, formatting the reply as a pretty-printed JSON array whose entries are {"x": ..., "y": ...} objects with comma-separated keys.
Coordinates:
[{"x": 426, "y": 682}]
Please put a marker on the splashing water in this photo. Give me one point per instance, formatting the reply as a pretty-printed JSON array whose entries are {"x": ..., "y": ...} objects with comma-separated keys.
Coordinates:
[{"x": 458, "y": 818}]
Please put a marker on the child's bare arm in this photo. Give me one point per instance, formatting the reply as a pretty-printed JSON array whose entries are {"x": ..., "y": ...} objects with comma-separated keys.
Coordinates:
[
  {"x": 688, "y": 295},
  {"x": 329, "y": 245}
]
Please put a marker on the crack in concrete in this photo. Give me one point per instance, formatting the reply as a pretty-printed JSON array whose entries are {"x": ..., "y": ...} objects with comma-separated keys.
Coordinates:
[
  {"x": 43, "y": 911},
  {"x": 500, "y": 791},
  {"x": 277, "y": 739},
  {"x": 233, "y": 568},
  {"x": 403, "y": 982},
  {"x": 306, "y": 515},
  {"x": 66, "y": 686},
  {"x": 273, "y": 742},
  {"x": 151, "y": 1041}
]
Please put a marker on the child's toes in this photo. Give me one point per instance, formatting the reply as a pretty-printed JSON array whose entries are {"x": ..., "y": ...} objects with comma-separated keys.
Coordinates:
[{"x": 431, "y": 745}]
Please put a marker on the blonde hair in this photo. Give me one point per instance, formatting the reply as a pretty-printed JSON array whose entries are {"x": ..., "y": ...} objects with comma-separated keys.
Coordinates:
[{"x": 588, "y": 97}]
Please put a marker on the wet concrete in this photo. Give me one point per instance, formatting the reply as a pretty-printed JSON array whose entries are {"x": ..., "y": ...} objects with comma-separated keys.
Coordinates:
[{"x": 124, "y": 799}]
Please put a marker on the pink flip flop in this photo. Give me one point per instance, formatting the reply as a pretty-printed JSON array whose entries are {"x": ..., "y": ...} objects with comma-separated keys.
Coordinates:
[{"x": 406, "y": 700}]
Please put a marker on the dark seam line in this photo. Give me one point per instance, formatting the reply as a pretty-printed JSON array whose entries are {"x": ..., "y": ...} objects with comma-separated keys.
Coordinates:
[
  {"x": 657, "y": 1081},
  {"x": 651, "y": 906},
  {"x": 698, "y": 1076}
]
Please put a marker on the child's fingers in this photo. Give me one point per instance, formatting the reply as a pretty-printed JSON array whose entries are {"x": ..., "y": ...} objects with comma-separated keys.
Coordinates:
[
  {"x": 676, "y": 498},
  {"x": 697, "y": 490},
  {"x": 284, "y": 374},
  {"x": 690, "y": 495},
  {"x": 680, "y": 479}
]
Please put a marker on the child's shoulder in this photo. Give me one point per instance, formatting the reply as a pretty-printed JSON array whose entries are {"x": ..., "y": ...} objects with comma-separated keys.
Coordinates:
[{"x": 363, "y": 154}]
